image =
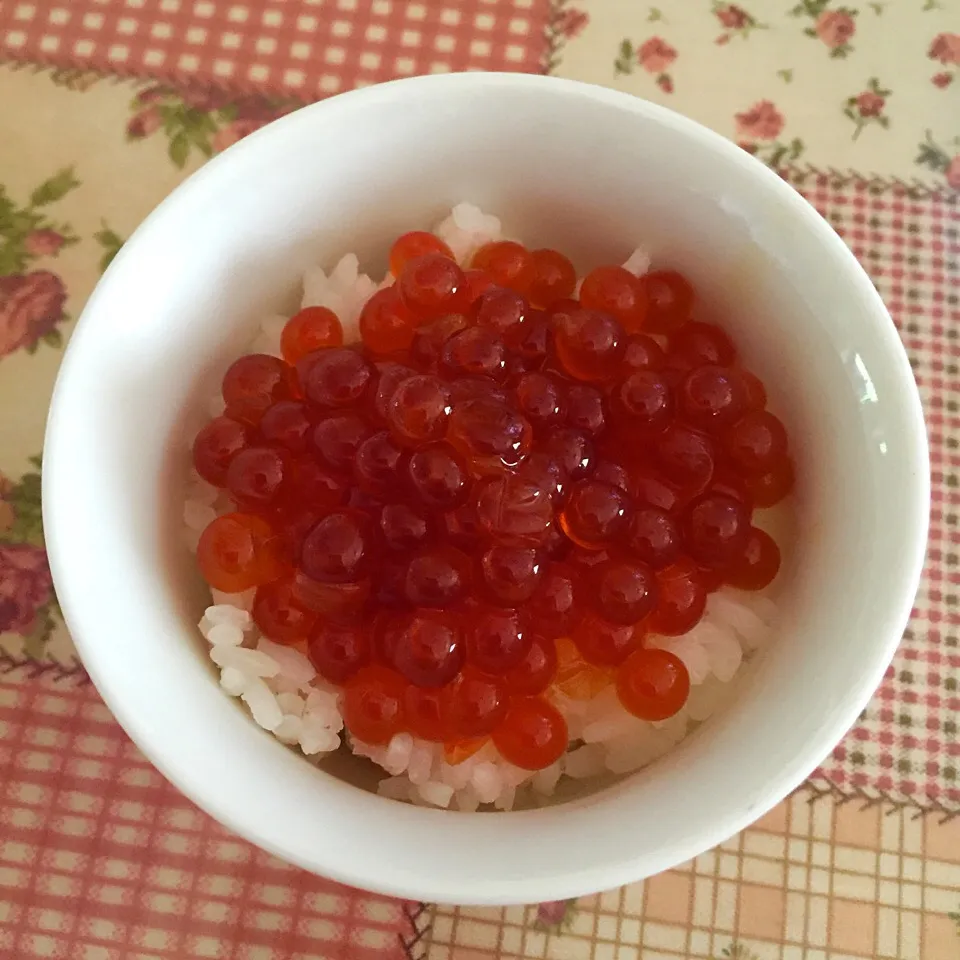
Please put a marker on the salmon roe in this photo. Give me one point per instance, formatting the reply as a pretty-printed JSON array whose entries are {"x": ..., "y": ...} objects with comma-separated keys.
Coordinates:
[{"x": 501, "y": 496}]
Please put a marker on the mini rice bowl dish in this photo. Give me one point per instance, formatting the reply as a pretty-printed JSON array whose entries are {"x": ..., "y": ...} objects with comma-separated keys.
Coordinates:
[{"x": 775, "y": 676}]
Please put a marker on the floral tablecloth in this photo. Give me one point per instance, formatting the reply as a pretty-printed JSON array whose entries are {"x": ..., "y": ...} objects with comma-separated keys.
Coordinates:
[{"x": 106, "y": 105}]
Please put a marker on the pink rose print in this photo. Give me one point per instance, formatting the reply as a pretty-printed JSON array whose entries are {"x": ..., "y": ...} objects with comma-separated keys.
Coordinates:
[
  {"x": 945, "y": 48},
  {"x": 665, "y": 83},
  {"x": 867, "y": 107},
  {"x": 31, "y": 305},
  {"x": 655, "y": 55},
  {"x": 735, "y": 20},
  {"x": 42, "y": 243},
  {"x": 233, "y": 132},
  {"x": 555, "y": 914},
  {"x": 144, "y": 123},
  {"x": 758, "y": 130},
  {"x": 942, "y": 80},
  {"x": 763, "y": 121},
  {"x": 732, "y": 17},
  {"x": 571, "y": 22},
  {"x": 870, "y": 104},
  {"x": 25, "y": 586},
  {"x": 835, "y": 28},
  {"x": 953, "y": 173}
]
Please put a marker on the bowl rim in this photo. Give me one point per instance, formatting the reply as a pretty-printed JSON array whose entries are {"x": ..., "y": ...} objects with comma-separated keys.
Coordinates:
[{"x": 394, "y": 879}]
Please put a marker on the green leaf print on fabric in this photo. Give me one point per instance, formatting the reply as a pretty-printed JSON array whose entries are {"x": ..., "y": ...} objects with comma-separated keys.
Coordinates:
[
  {"x": 940, "y": 159},
  {"x": 110, "y": 242},
  {"x": 201, "y": 119}
]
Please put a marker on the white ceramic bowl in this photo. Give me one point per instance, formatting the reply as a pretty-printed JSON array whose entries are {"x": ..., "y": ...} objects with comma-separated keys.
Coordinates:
[{"x": 593, "y": 172}]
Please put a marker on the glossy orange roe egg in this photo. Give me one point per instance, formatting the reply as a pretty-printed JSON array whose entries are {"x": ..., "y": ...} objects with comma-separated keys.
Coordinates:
[
  {"x": 533, "y": 734},
  {"x": 386, "y": 323},
  {"x": 507, "y": 263},
  {"x": 311, "y": 329},
  {"x": 590, "y": 345},
  {"x": 615, "y": 291},
  {"x": 254, "y": 383},
  {"x": 433, "y": 285},
  {"x": 553, "y": 277},
  {"x": 653, "y": 684},
  {"x": 416, "y": 243},
  {"x": 669, "y": 299},
  {"x": 757, "y": 564},
  {"x": 238, "y": 551},
  {"x": 373, "y": 704},
  {"x": 339, "y": 650},
  {"x": 278, "y": 614}
]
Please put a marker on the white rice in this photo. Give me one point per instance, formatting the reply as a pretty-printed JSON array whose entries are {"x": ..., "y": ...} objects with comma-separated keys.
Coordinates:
[{"x": 284, "y": 694}]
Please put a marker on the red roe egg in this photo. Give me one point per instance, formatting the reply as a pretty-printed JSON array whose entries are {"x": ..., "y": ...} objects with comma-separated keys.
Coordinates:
[
  {"x": 626, "y": 591},
  {"x": 339, "y": 377},
  {"x": 416, "y": 243},
  {"x": 757, "y": 564},
  {"x": 376, "y": 464},
  {"x": 403, "y": 527},
  {"x": 590, "y": 345},
  {"x": 513, "y": 510},
  {"x": 553, "y": 277},
  {"x": 287, "y": 424},
  {"x": 338, "y": 438},
  {"x": 215, "y": 446},
  {"x": 605, "y": 644},
  {"x": 477, "y": 283},
  {"x": 500, "y": 309},
  {"x": 682, "y": 599},
  {"x": 497, "y": 640},
  {"x": 510, "y": 574},
  {"x": 756, "y": 443},
  {"x": 703, "y": 343},
  {"x": 254, "y": 383},
  {"x": 339, "y": 650},
  {"x": 418, "y": 410},
  {"x": 533, "y": 734},
  {"x": 596, "y": 515},
  {"x": 433, "y": 285},
  {"x": 278, "y": 614},
  {"x": 530, "y": 339},
  {"x": 715, "y": 529},
  {"x": 507, "y": 263},
  {"x": 476, "y": 703},
  {"x": 768, "y": 489},
  {"x": 573, "y": 450},
  {"x": 429, "y": 339},
  {"x": 238, "y": 551},
  {"x": 711, "y": 397},
  {"x": 488, "y": 434},
  {"x": 553, "y": 609},
  {"x": 312, "y": 487},
  {"x": 437, "y": 476},
  {"x": 642, "y": 353},
  {"x": 535, "y": 671},
  {"x": 386, "y": 323},
  {"x": 615, "y": 291},
  {"x": 311, "y": 329},
  {"x": 654, "y": 536},
  {"x": 339, "y": 549},
  {"x": 256, "y": 476},
  {"x": 474, "y": 352},
  {"x": 685, "y": 456},
  {"x": 653, "y": 684},
  {"x": 540, "y": 399},
  {"x": 425, "y": 713},
  {"x": 373, "y": 704},
  {"x": 585, "y": 409},
  {"x": 436, "y": 577},
  {"x": 669, "y": 299},
  {"x": 643, "y": 402},
  {"x": 430, "y": 650}
]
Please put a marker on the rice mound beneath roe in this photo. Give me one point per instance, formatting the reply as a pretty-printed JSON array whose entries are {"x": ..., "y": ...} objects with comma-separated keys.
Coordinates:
[{"x": 285, "y": 695}]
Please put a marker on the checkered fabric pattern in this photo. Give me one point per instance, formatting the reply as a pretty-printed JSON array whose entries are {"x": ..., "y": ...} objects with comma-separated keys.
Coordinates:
[
  {"x": 905, "y": 747},
  {"x": 807, "y": 882},
  {"x": 307, "y": 48},
  {"x": 102, "y": 859}
]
